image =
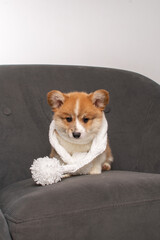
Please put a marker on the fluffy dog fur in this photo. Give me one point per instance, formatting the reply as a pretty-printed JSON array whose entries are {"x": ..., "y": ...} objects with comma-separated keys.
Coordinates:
[{"x": 78, "y": 118}]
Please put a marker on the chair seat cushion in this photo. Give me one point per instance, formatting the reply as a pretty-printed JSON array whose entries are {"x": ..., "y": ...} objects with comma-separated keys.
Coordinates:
[{"x": 113, "y": 205}]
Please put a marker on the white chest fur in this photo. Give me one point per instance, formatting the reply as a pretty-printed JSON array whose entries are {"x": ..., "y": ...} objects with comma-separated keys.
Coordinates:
[{"x": 72, "y": 148}]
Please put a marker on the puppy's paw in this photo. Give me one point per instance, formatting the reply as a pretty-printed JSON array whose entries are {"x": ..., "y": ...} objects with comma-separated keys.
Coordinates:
[
  {"x": 66, "y": 175},
  {"x": 95, "y": 170},
  {"x": 106, "y": 166}
]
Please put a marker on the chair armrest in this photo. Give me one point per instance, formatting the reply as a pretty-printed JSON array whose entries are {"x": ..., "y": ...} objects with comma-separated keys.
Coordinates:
[{"x": 4, "y": 231}]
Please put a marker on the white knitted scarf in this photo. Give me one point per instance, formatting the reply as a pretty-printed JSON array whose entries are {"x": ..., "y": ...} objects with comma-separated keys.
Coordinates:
[{"x": 49, "y": 170}]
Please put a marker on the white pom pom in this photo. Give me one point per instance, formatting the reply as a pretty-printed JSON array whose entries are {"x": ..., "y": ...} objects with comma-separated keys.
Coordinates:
[{"x": 46, "y": 171}]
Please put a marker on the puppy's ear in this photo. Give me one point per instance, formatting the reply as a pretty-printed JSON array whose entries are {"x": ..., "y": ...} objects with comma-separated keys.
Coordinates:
[
  {"x": 100, "y": 98},
  {"x": 55, "y": 99}
]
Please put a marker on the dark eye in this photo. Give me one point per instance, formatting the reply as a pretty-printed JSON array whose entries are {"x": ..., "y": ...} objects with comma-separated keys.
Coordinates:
[
  {"x": 85, "y": 120},
  {"x": 69, "y": 119}
]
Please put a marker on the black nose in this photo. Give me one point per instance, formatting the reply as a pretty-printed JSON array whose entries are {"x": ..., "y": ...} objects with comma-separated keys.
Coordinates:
[{"x": 76, "y": 134}]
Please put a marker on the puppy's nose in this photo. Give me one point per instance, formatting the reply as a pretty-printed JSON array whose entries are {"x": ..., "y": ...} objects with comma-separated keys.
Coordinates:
[{"x": 76, "y": 134}]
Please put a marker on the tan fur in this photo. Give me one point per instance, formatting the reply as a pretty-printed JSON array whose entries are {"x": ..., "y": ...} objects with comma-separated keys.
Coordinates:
[{"x": 77, "y": 106}]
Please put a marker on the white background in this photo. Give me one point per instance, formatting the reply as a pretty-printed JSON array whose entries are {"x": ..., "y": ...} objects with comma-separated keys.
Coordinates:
[{"x": 121, "y": 34}]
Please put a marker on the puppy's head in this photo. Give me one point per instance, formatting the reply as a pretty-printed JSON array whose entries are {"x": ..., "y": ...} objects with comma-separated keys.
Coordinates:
[{"x": 78, "y": 115}]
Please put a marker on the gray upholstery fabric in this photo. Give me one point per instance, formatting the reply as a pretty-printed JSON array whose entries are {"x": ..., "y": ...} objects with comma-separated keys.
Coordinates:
[
  {"x": 134, "y": 128},
  {"x": 4, "y": 232},
  {"x": 116, "y": 205}
]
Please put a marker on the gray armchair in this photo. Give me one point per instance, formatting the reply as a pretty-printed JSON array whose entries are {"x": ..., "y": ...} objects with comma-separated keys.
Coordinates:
[{"x": 122, "y": 204}]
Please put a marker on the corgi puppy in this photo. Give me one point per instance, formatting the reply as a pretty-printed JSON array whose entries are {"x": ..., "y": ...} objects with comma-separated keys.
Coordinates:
[{"x": 78, "y": 118}]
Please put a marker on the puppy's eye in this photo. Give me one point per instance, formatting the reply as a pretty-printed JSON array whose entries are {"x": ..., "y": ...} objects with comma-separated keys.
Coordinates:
[
  {"x": 69, "y": 119},
  {"x": 85, "y": 120}
]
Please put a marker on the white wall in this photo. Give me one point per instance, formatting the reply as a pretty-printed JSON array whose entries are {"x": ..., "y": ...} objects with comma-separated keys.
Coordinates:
[{"x": 111, "y": 33}]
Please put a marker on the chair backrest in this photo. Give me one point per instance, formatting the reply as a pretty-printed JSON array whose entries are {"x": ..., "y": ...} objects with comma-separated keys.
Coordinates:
[{"x": 133, "y": 115}]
